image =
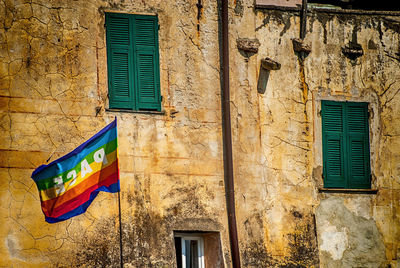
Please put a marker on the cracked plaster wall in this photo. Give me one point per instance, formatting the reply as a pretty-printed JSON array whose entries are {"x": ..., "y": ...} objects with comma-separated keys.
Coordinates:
[
  {"x": 53, "y": 76},
  {"x": 290, "y": 126}
]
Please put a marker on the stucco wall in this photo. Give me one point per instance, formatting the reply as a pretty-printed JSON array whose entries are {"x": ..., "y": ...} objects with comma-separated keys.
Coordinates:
[
  {"x": 53, "y": 94},
  {"x": 291, "y": 137}
]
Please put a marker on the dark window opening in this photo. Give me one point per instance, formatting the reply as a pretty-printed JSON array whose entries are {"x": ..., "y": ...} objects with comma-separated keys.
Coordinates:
[
  {"x": 198, "y": 249},
  {"x": 178, "y": 251}
]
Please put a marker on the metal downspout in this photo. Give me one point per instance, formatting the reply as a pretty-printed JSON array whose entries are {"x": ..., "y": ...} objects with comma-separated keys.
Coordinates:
[
  {"x": 303, "y": 19},
  {"x": 227, "y": 139}
]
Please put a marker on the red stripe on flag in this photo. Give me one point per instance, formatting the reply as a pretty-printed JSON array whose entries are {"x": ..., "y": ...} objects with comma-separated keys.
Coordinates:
[
  {"x": 79, "y": 200},
  {"x": 79, "y": 189}
]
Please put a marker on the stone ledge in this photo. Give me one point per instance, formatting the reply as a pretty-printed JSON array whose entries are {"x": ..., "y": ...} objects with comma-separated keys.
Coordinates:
[
  {"x": 348, "y": 191},
  {"x": 135, "y": 112},
  {"x": 270, "y": 64},
  {"x": 314, "y": 9},
  {"x": 248, "y": 45}
]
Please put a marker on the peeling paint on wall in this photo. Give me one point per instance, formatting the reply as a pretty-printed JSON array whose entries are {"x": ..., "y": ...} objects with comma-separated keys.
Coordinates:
[
  {"x": 346, "y": 238},
  {"x": 333, "y": 241}
]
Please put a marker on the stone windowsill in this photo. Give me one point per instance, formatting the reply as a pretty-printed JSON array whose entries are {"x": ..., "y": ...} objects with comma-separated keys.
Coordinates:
[
  {"x": 348, "y": 191},
  {"x": 135, "y": 112}
]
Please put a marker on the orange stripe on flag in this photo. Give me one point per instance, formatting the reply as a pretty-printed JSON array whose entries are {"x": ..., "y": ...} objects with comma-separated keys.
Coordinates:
[
  {"x": 92, "y": 180},
  {"x": 82, "y": 198}
]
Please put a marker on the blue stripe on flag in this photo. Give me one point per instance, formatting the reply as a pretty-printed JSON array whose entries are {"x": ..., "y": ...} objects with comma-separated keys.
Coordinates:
[
  {"x": 113, "y": 188},
  {"x": 71, "y": 159}
]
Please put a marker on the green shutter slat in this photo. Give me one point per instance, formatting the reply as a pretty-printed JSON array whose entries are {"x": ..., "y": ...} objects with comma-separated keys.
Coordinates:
[
  {"x": 358, "y": 158},
  {"x": 146, "y": 77},
  {"x": 147, "y": 62},
  {"x": 334, "y": 158},
  {"x": 121, "y": 95},
  {"x": 118, "y": 29},
  {"x": 120, "y": 74},
  {"x": 119, "y": 61},
  {"x": 333, "y": 144},
  {"x": 145, "y": 33},
  {"x": 357, "y": 161},
  {"x": 356, "y": 118},
  {"x": 334, "y": 161},
  {"x": 333, "y": 118}
]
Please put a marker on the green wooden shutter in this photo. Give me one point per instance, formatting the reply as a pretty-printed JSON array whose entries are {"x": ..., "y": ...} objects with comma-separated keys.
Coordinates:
[
  {"x": 147, "y": 62},
  {"x": 345, "y": 142},
  {"x": 120, "y": 61},
  {"x": 333, "y": 143},
  {"x": 358, "y": 151}
]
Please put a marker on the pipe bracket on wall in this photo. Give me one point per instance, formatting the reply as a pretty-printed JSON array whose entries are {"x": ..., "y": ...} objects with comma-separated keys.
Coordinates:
[
  {"x": 247, "y": 47},
  {"x": 352, "y": 51},
  {"x": 300, "y": 47},
  {"x": 266, "y": 66}
]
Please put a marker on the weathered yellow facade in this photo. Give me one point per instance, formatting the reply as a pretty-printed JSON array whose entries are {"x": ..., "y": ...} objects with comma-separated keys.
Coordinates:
[{"x": 53, "y": 94}]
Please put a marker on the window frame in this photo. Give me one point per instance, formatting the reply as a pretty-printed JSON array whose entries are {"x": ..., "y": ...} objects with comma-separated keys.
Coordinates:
[
  {"x": 345, "y": 136},
  {"x": 136, "y": 101},
  {"x": 200, "y": 251}
]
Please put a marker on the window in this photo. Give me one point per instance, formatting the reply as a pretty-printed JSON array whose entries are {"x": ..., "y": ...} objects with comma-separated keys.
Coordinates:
[
  {"x": 133, "y": 62},
  {"x": 189, "y": 251},
  {"x": 345, "y": 145}
]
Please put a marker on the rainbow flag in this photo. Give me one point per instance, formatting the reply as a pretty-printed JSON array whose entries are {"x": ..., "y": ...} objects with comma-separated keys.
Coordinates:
[{"x": 68, "y": 185}]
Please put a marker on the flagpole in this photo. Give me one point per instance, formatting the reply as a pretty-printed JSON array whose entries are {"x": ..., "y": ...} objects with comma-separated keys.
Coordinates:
[
  {"x": 119, "y": 213},
  {"x": 120, "y": 230}
]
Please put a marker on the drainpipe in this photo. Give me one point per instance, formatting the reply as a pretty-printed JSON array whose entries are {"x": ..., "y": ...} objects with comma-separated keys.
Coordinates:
[
  {"x": 227, "y": 139},
  {"x": 303, "y": 21}
]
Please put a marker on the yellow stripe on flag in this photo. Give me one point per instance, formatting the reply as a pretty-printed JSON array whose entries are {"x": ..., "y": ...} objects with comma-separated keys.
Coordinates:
[{"x": 57, "y": 190}]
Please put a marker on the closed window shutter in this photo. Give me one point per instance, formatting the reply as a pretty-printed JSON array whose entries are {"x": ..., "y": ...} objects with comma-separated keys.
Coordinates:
[
  {"x": 345, "y": 141},
  {"x": 147, "y": 62},
  {"x": 120, "y": 61},
  {"x": 333, "y": 144},
  {"x": 358, "y": 140}
]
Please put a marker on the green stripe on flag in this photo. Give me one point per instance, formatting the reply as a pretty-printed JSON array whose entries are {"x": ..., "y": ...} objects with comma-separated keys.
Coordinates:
[{"x": 49, "y": 182}]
